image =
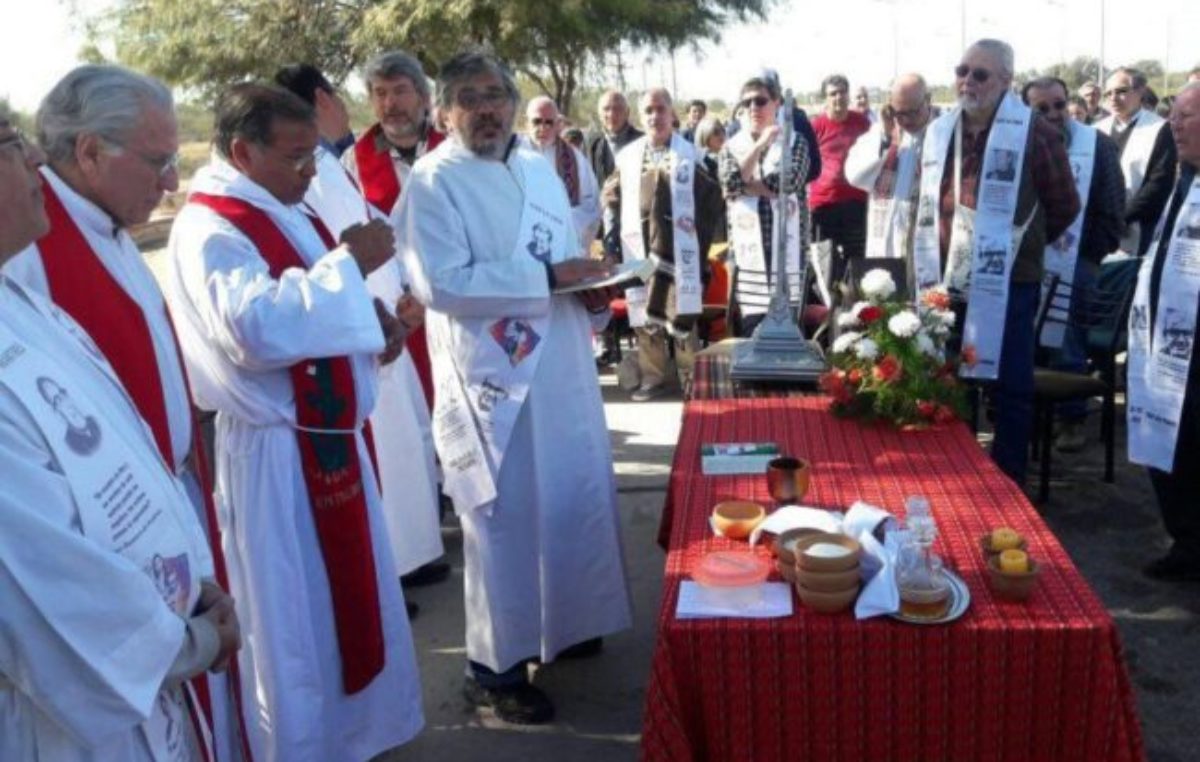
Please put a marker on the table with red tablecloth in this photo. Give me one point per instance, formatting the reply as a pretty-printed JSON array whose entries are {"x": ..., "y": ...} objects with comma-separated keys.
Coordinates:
[{"x": 1040, "y": 680}]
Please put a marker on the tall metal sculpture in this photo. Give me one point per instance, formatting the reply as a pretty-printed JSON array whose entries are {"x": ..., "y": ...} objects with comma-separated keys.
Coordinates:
[{"x": 778, "y": 350}]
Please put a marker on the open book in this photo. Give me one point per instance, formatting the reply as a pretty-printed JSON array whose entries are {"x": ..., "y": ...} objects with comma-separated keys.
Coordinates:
[{"x": 627, "y": 275}]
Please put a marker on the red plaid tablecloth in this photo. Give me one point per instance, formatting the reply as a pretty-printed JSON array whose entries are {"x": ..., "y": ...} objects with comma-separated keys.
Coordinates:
[
  {"x": 1041, "y": 680},
  {"x": 710, "y": 379}
]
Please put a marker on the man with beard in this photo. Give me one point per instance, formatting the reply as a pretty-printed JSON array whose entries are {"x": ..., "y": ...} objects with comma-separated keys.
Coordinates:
[
  {"x": 1093, "y": 234},
  {"x": 964, "y": 217},
  {"x": 382, "y": 158},
  {"x": 1147, "y": 156},
  {"x": 545, "y": 126},
  {"x": 533, "y": 486}
]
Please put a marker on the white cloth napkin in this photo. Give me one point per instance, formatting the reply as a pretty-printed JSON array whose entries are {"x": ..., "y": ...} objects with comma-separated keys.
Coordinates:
[
  {"x": 864, "y": 517},
  {"x": 798, "y": 517},
  {"x": 880, "y": 594},
  {"x": 774, "y": 599}
]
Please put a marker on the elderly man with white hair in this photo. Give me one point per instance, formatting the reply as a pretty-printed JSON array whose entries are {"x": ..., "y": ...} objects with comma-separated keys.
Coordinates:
[
  {"x": 111, "y": 141},
  {"x": 971, "y": 219},
  {"x": 544, "y": 137},
  {"x": 1164, "y": 377}
]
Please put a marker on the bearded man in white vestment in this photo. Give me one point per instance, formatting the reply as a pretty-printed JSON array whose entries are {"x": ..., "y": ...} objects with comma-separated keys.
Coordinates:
[
  {"x": 519, "y": 423},
  {"x": 107, "y": 614},
  {"x": 282, "y": 339},
  {"x": 403, "y": 434}
]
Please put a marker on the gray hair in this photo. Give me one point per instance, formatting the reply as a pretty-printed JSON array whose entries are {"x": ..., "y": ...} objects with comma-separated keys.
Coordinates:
[
  {"x": 660, "y": 91},
  {"x": 1001, "y": 50},
  {"x": 469, "y": 64},
  {"x": 705, "y": 130},
  {"x": 393, "y": 64},
  {"x": 104, "y": 100},
  {"x": 1137, "y": 76}
]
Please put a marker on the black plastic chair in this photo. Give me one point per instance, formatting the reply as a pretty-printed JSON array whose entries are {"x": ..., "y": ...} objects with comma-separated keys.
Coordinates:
[{"x": 1102, "y": 311}]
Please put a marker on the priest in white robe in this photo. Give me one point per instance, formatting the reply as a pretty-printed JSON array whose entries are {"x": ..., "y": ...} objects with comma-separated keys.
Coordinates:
[
  {"x": 545, "y": 138},
  {"x": 282, "y": 338},
  {"x": 106, "y": 614},
  {"x": 400, "y": 422},
  {"x": 485, "y": 229}
]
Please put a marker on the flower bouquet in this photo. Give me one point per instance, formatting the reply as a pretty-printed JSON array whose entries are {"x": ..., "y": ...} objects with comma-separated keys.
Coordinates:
[{"x": 889, "y": 362}]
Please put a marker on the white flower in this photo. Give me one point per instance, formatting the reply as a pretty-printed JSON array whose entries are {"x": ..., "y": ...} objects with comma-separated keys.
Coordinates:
[
  {"x": 926, "y": 346},
  {"x": 946, "y": 316},
  {"x": 857, "y": 309},
  {"x": 904, "y": 324},
  {"x": 866, "y": 350},
  {"x": 878, "y": 284},
  {"x": 845, "y": 341},
  {"x": 847, "y": 320}
]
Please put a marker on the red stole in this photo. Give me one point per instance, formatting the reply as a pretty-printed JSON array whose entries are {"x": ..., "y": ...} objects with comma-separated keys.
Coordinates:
[
  {"x": 324, "y": 391},
  {"x": 83, "y": 287},
  {"x": 381, "y": 186},
  {"x": 568, "y": 170}
]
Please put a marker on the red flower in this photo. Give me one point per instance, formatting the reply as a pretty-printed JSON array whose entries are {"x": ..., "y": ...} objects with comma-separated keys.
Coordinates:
[
  {"x": 888, "y": 369},
  {"x": 943, "y": 414},
  {"x": 970, "y": 356},
  {"x": 937, "y": 299},
  {"x": 870, "y": 314},
  {"x": 926, "y": 409},
  {"x": 854, "y": 376}
]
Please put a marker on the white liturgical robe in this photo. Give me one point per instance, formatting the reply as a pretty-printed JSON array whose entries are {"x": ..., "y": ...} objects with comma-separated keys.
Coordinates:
[
  {"x": 241, "y": 329},
  {"x": 400, "y": 421},
  {"x": 543, "y": 563},
  {"x": 86, "y": 634}
]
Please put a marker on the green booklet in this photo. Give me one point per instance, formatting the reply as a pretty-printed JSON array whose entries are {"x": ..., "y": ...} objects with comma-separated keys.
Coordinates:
[{"x": 737, "y": 457}]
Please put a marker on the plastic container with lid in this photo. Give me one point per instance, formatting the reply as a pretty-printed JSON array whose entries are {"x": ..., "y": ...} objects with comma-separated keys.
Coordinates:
[{"x": 731, "y": 578}]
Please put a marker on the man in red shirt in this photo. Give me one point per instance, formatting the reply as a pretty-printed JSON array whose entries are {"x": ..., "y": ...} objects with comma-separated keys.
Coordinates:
[{"x": 839, "y": 210}]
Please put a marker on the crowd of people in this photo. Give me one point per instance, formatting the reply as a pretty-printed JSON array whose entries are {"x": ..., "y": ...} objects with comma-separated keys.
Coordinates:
[{"x": 393, "y": 322}]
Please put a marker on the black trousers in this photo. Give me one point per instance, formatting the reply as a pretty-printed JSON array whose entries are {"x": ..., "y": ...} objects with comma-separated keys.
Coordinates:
[
  {"x": 845, "y": 224},
  {"x": 1178, "y": 492}
]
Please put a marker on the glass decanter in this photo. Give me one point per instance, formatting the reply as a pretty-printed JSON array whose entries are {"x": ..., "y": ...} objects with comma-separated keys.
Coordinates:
[{"x": 924, "y": 590}]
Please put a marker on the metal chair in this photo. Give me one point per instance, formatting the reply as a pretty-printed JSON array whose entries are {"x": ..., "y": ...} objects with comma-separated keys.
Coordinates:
[{"x": 1102, "y": 312}]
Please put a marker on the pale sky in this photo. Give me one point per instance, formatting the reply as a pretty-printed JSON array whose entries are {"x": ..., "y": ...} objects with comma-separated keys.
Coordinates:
[{"x": 864, "y": 39}]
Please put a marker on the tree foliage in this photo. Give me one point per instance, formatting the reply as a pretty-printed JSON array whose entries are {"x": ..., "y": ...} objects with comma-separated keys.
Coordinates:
[{"x": 207, "y": 44}]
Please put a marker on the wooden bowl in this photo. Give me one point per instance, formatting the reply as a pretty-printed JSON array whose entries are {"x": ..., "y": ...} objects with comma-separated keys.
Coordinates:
[
  {"x": 1013, "y": 586},
  {"x": 827, "y": 582},
  {"x": 985, "y": 545},
  {"x": 827, "y": 603},
  {"x": 736, "y": 519},
  {"x": 843, "y": 561}
]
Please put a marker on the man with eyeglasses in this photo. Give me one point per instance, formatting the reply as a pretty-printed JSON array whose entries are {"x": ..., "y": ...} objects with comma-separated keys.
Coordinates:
[
  {"x": 111, "y": 143},
  {"x": 662, "y": 205},
  {"x": 1163, "y": 407},
  {"x": 383, "y": 157},
  {"x": 1094, "y": 233},
  {"x": 839, "y": 210},
  {"x": 519, "y": 422},
  {"x": 400, "y": 423},
  {"x": 885, "y": 162},
  {"x": 97, "y": 652},
  {"x": 283, "y": 340},
  {"x": 544, "y": 137},
  {"x": 1147, "y": 154},
  {"x": 967, "y": 213}
]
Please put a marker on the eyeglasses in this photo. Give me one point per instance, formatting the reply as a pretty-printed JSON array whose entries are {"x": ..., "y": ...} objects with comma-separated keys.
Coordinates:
[
  {"x": 1046, "y": 108},
  {"x": 473, "y": 99},
  {"x": 542, "y": 122},
  {"x": 979, "y": 75},
  {"x": 911, "y": 113},
  {"x": 162, "y": 166},
  {"x": 757, "y": 101},
  {"x": 1117, "y": 92}
]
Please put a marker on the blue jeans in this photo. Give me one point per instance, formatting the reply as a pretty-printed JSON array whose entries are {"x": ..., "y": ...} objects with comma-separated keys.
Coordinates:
[
  {"x": 1012, "y": 392},
  {"x": 1072, "y": 356}
]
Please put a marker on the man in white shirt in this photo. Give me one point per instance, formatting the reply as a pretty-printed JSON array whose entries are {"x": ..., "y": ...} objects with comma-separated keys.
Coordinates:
[
  {"x": 545, "y": 126},
  {"x": 107, "y": 612},
  {"x": 485, "y": 230},
  {"x": 282, "y": 339}
]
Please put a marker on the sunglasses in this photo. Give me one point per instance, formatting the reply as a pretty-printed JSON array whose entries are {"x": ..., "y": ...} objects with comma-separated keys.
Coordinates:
[
  {"x": 1117, "y": 92},
  {"x": 757, "y": 101},
  {"x": 542, "y": 122},
  {"x": 979, "y": 75},
  {"x": 1046, "y": 108}
]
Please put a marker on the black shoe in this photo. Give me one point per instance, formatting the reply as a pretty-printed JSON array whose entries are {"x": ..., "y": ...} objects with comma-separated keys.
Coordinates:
[
  {"x": 429, "y": 574},
  {"x": 521, "y": 704},
  {"x": 412, "y": 610},
  {"x": 1173, "y": 567},
  {"x": 582, "y": 650}
]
